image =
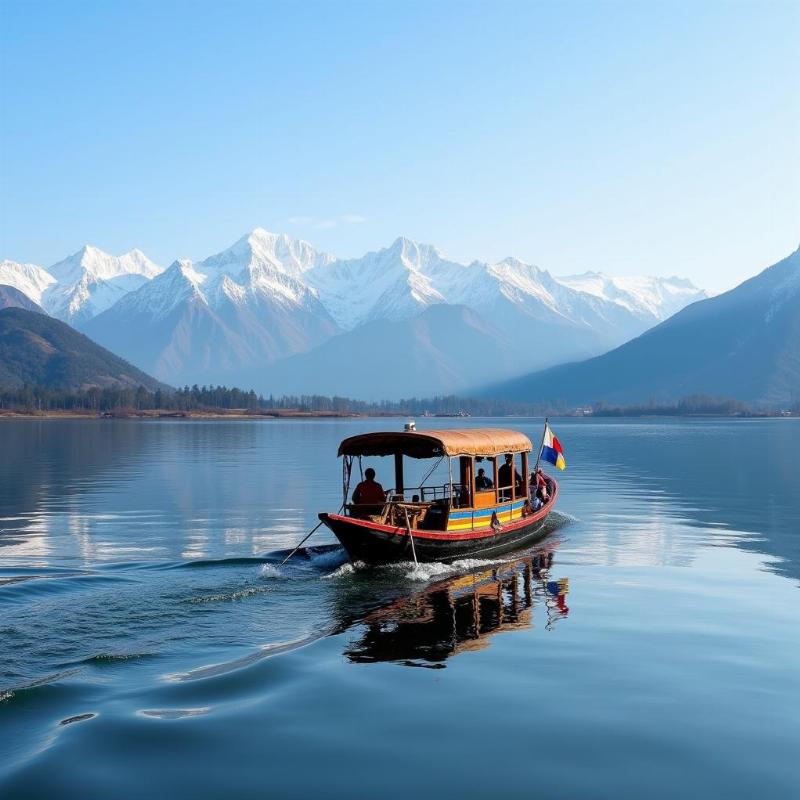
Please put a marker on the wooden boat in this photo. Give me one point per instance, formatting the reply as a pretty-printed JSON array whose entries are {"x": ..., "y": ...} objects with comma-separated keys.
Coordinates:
[{"x": 447, "y": 520}]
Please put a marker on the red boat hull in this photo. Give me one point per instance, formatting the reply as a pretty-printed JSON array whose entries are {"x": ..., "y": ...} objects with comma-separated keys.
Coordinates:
[{"x": 374, "y": 543}]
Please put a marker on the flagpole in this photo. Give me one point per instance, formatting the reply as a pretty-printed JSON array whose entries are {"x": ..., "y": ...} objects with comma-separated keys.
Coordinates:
[{"x": 541, "y": 445}]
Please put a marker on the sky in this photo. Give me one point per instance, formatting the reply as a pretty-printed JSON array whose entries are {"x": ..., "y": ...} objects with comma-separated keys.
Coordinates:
[{"x": 657, "y": 138}]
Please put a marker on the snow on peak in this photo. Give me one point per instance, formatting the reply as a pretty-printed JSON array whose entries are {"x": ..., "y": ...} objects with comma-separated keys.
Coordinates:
[
  {"x": 413, "y": 254},
  {"x": 179, "y": 283},
  {"x": 264, "y": 265},
  {"x": 96, "y": 264},
  {"x": 394, "y": 283},
  {"x": 91, "y": 280},
  {"x": 183, "y": 269},
  {"x": 643, "y": 296},
  {"x": 30, "y": 279},
  {"x": 267, "y": 252}
]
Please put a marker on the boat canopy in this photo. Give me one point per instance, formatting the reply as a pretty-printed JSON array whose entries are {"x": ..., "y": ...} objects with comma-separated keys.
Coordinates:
[{"x": 431, "y": 443}]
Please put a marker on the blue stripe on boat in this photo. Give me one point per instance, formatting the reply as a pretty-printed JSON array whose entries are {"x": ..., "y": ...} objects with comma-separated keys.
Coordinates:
[{"x": 487, "y": 512}]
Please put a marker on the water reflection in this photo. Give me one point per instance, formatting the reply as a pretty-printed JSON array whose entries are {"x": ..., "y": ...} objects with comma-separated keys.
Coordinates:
[{"x": 462, "y": 613}]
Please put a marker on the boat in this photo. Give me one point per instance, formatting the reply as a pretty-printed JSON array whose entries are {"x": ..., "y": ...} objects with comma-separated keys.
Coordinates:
[{"x": 483, "y": 509}]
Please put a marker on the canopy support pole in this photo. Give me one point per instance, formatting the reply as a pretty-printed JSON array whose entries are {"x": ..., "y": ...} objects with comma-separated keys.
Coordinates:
[
  {"x": 450, "y": 474},
  {"x": 398, "y": 473}
]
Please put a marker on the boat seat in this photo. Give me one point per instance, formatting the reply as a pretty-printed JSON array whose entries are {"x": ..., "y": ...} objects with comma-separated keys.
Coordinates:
[{"x": 365, "y": 510}]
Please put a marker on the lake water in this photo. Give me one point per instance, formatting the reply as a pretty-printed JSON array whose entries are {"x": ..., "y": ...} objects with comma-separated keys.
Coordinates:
[{"x": 151, "y": 645}]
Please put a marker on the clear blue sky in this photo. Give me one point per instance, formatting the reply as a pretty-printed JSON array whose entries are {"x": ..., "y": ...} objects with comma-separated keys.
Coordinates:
[{"x": 630, "y": 137}]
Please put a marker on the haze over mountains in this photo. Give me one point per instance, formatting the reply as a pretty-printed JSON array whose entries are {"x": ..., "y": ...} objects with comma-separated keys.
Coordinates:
[
  {"x": 273, "y": 313},
  {"x": 743, "y": 344}
]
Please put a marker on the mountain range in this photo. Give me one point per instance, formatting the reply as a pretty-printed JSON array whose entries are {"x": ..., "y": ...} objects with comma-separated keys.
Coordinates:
[
  {"x": 742, "y": 344},
  {"x": 273, "y": 313}
]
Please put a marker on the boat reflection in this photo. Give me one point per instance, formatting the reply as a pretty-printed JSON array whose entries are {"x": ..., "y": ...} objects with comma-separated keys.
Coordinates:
[{"x": 462, "y": 613}]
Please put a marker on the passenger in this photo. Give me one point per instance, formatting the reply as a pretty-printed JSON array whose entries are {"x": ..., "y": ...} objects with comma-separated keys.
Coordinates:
[
  {"x": 507, "y": 473},
  {"x": 542, "y": 494},
  {"x": 369, "y": 491},
  {"x": 539, "y": 482},
  {"x": 537, "y": 503},
  {"x": 482, "y": 481}
]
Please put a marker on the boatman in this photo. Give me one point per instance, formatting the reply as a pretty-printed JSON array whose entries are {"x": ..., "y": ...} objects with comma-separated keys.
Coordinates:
[
  {"x": 508, "y": 473},
  {"x": 369, "y": 491}
]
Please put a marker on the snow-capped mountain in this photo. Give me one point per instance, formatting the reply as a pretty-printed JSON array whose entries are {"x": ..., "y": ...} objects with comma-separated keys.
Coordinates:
[
  {"x": 229, "y": 315},
  {"x": 82, "y": 285},
  {"x": 401, "y": 280},
  {"x": 31, "y": 280},
  {"x": 649, "y": 297},
  {"x": 387, "y": 284},
  {"x": 90, "y": 281},
  {"x": 272, "y": 305}
]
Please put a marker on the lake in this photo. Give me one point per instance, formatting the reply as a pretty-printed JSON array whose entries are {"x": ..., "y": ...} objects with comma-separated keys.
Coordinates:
[{"x": 152, "y": 645}]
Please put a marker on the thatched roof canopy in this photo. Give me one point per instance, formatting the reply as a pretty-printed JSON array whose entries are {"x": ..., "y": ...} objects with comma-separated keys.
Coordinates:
[{"x": 432, "y": 443}]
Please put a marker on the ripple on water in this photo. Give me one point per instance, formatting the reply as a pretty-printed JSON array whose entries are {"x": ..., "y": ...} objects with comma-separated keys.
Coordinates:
[
  {"x": 231, "y": 597},
  {"x": 174, "y": 713}
]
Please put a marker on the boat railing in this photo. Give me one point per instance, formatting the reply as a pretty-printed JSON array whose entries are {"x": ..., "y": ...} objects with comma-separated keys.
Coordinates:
[{"x": 424, "y": 494}]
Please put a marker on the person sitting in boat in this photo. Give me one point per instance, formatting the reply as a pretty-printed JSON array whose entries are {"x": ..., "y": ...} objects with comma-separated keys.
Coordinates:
[
  {"x": 369, "y": 491},
  {"x": 508, "y": 473},
  {"x": 539, "y": 486},
  {"x": 483, "y": 481}
]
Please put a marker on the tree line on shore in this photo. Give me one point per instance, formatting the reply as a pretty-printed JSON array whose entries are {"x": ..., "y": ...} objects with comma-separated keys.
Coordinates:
[
  {"x": 125, "y": 400},
  {"x": 221, "y": 398}
]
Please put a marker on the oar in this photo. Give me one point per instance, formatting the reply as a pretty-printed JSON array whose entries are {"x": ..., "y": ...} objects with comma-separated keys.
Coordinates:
[{"x": 305, "y": 539}]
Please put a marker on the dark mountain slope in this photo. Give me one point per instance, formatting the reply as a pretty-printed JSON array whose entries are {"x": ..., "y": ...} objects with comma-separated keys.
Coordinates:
[
  {"x": 743, "y": 344},
  {"x": 37, "y": 349},
  {"x": 11, "y": 297}
]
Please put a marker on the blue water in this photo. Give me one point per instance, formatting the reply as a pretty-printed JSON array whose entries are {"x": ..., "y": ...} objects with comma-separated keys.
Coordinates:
[{"x": 152, "y": 645}]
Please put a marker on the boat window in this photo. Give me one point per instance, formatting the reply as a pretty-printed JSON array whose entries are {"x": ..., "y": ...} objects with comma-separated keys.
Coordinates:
[
  {"x": 510, "y": 480},
  {"x": 485, "y": 478}
]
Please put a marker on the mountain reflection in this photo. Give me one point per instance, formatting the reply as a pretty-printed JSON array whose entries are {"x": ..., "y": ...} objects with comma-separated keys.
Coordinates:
[{"x": 462, "y": 613}]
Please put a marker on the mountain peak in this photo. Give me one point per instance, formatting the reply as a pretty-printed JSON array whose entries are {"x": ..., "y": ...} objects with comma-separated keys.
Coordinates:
[
  {"x": 182, "y": 266},
  {"x": 518, "y": 263},
  {"x": 263, "y": 237},
  {"x": 262, "y": 250},
  {"x": 414, "y": 255},
  {"x": 92, "y": 262}
]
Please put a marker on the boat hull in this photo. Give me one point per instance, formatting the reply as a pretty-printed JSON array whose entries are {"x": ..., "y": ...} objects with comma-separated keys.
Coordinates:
[{"x": 379, "y": 544}]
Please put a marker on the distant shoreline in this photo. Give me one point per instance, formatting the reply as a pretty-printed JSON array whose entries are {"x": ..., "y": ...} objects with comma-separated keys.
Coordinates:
[
  {"x": 278, "y": 414},
  {"x": 189, "y": 415}
]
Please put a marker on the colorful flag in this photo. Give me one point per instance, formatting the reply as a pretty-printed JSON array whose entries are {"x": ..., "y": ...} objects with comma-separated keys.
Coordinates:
[{"x": 552, "y": 450}]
